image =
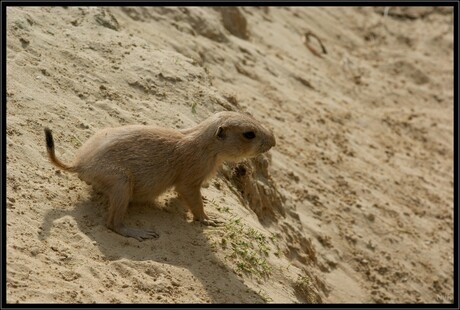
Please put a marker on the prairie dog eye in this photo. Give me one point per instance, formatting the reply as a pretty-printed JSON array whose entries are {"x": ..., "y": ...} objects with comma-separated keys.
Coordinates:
[{"x": 249, "y": 135}]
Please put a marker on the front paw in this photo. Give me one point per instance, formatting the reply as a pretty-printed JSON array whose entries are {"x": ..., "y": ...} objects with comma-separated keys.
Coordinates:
[{"x": 210, "y": 221}]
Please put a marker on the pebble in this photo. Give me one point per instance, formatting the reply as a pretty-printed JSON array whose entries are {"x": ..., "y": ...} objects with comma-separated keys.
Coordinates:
[{"x": 34, "y": 251}]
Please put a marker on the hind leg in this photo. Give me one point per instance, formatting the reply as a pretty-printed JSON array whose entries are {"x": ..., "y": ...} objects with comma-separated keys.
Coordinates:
[{"x": 119, "y": 197}]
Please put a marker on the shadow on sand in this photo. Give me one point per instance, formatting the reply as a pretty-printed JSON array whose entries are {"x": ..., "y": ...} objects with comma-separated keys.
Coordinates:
[{"x": 181, "y": 244}]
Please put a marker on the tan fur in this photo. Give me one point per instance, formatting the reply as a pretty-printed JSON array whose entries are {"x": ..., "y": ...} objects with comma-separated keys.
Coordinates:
[{"x": 138, "y": 163}]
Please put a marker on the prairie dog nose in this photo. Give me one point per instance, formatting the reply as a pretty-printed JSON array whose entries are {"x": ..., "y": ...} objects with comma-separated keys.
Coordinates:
[
  {"x": 269, "y": 142},
  {"x": 271, "y": 139}
]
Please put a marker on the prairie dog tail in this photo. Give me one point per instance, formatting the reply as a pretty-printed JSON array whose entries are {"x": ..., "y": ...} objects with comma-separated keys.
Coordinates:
[{"x": 52, "y": 155}]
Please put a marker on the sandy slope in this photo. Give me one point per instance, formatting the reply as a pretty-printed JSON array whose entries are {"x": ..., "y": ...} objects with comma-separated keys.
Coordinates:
[{"x": 354, "y": 204}]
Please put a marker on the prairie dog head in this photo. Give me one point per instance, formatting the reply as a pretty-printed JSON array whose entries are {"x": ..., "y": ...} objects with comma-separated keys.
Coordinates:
[{"x": 240, "y": 136}]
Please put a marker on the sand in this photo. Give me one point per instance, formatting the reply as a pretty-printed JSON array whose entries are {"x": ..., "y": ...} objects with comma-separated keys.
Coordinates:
[{"x": 353, "y": 205}]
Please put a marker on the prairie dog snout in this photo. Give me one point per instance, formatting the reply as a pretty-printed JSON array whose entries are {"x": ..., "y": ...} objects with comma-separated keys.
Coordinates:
[{"x": 138, "y": 163}]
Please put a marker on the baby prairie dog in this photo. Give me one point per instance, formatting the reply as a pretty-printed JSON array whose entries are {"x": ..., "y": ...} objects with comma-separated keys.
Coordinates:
[{"x": 138, "y": 163}]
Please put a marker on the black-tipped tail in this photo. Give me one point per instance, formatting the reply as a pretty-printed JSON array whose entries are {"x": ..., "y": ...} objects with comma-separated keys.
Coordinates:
[
  {"x": 49, "y": 138},
  {"x": 51, "y": 154}
]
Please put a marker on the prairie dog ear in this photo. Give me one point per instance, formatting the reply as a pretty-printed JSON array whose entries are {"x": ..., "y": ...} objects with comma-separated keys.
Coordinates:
[{"x": 220, "y": 133}]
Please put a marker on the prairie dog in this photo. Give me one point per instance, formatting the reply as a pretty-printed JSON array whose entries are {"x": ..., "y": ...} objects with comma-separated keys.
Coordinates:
[{"x": 138, "y": 163}]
